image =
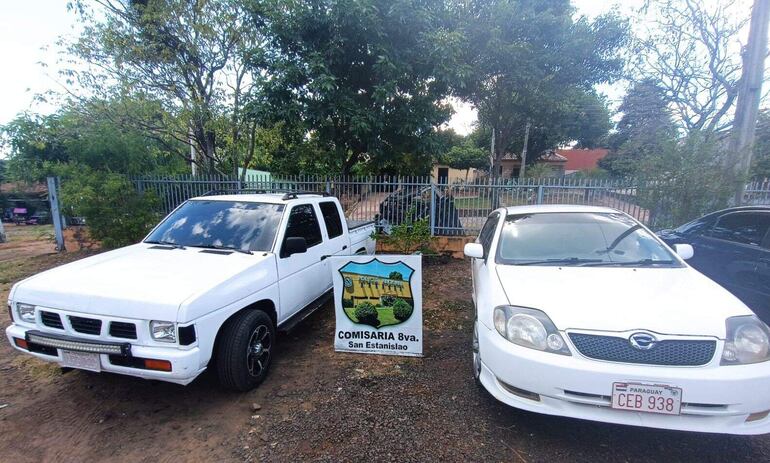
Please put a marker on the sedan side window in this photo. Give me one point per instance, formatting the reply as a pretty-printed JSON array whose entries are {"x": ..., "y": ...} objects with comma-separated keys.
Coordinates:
[
  {"x": 303, "y": 223},
  {"x": 488, "y": 232},
  {"x": 742, "y": 227}
]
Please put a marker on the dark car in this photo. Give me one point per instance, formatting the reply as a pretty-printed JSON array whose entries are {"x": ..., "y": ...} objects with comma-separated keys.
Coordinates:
[
  {"x": 38, "y": 218},
  {"x": 732, "y": 247},
  {"x": 413, "y": 203}
]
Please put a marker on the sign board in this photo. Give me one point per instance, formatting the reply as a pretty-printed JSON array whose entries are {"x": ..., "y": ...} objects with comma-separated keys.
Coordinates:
[{"x": 378, "y": 304}]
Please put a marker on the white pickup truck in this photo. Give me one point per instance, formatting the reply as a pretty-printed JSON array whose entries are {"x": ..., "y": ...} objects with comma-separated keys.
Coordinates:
[{"x": 208, "y": 286}]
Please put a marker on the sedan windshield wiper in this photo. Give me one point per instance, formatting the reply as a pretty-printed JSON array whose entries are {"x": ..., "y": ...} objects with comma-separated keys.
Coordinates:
[
  {"x": 634, "y": 263},
  {"x": 566, "y": 260},
  {"x": 166, "y": 243},
  {"x": 221, "y": 248}
]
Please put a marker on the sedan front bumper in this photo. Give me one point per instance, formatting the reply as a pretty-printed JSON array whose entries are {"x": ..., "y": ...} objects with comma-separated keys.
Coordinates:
[{"x": 716, "y": 399}]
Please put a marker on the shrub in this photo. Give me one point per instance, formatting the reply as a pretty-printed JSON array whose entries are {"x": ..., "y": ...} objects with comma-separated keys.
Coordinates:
[
  {"x": 387, "y": 300},
  {"x": 366, "y": 313},
  {"x": 347, "y": 302},
  {"x": 116, "y": 214},
  {"x": 402, "y": 310}
]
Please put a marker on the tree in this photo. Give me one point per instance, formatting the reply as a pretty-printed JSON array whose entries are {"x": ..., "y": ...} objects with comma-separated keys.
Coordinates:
[
  {"x": 530, "y": 64},
  {"x": 691, "y": 49},
  {"x": 467, "y": 156},
  {"x": 366, "y": 77},
  {"x": 646, "y": 128},
  {"x": 190, "y": 56},
  {"x": 760, "y": 168},
  {"x": 396, "y": 276}
]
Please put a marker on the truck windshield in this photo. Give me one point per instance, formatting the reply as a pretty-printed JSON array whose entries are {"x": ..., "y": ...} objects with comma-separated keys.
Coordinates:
[
  {"x": 221, "y": 224},
  {"x": 580, "y": 239}
]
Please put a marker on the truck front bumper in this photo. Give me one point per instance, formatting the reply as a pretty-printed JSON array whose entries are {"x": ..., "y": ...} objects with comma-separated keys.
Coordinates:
[{"x": 113, "y": 357}]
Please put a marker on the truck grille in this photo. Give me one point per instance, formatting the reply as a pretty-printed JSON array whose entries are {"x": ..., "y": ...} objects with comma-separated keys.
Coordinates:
[
  {"x": 51, "y": 320},
  {"x": 673, "y": 352},
  {"x": 123, "y": 330},
  {"x": 86, "y": 325}
]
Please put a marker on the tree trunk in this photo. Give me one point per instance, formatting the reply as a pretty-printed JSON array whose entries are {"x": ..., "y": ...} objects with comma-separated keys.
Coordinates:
[{"x": 523, "y": 168}]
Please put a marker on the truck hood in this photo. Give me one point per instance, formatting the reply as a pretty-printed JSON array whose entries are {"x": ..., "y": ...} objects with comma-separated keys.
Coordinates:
[
  {"x": 663, "y": 300},
  {"x": 137, "y": 281}
]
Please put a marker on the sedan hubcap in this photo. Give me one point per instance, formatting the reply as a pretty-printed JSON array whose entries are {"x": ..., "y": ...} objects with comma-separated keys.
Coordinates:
[{"x": 258, "y": 350}]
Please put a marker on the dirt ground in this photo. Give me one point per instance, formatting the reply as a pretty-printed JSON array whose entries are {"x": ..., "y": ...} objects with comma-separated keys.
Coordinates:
[{"x": 316, "y": 405}]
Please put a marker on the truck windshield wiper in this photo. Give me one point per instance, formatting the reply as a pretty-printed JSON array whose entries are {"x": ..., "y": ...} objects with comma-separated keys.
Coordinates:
[
  {"x": 221, "y": 248},
  {"x": 566, "y": 260},
  {"x": 634, "y": 263},
  {"x": 166, "y": 243}
]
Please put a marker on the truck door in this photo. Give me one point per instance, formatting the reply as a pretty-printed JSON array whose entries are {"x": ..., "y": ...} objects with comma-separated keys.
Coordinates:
[
  {"x": 303, "y": 277},
  {"x": 338, "y": 240}
]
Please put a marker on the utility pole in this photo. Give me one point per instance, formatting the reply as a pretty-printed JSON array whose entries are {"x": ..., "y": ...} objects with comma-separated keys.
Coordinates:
[
  {"x": 523, "y": 167},
  {"x": 492, "y": 156},
  {"x": 749, "y": 93}
]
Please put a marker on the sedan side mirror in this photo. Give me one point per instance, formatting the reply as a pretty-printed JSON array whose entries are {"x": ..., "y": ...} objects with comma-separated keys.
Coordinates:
[
  {"x": 474, "y": 250},
  {"x": 294, "y": 245},
  {"x": 685, "y": 251}
]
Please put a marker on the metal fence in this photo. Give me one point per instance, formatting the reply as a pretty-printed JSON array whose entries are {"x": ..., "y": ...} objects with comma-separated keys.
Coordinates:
[{"x": 451, "y": 209}]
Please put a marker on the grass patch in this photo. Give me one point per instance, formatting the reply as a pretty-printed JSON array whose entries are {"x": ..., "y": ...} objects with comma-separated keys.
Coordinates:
[{"x": 473, "y": 203}]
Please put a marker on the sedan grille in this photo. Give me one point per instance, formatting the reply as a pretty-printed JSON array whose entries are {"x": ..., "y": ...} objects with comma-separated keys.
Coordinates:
[
  {"x": 51, "y": 320},
  {"x": 672, "y": 352},
  {"x": 86, "y": 325},
  {"x": 123, "y": 330}
]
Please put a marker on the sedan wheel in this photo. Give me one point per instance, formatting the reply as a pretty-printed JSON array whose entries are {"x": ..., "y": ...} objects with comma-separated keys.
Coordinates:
[{"x": 476, "y": 355}]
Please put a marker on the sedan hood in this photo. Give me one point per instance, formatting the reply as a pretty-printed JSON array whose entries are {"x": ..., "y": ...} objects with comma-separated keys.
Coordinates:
[
  {"x": 138, "y": 281},
  {"x": 663, "y": 300}
]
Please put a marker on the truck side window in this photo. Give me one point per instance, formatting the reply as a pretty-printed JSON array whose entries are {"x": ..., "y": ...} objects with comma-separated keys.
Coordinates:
[
  {"x": 304, "y": 224},
  {"x": 331, "y": 218}
]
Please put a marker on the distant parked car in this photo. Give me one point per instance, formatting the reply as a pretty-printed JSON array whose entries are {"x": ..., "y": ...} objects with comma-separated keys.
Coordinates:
[
  {"x": 583, "y": 312},
  {"x": 732, "y": 247},
  {"x": 38, "y": 218}
]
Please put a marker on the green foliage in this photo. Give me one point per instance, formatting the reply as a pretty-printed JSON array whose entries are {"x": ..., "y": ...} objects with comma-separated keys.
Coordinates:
[
  {"x": 682, "y": 181},
  {"x": 368, "y": 77},
  {"x": 366, "y": 313},
  {"x": 760, "y": 168},
  {"x": 402, "y": 310},
  {"x": 538, "y": 171},
  {"x": 410, "y": 235},
  {"x": 116, "y": 214},
  {"x": 387, "y": 300},
  {"x": 536, "y": 61},
  {"x": 396, "y": 276}
]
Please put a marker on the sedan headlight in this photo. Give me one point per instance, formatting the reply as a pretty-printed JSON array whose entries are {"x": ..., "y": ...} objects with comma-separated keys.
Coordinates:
[
  {"x": 529, "y": 328},
  {"x": 747, "y": 341},
  {"x": 163, "y": 331},
  {"x": 26, "y": 312}
]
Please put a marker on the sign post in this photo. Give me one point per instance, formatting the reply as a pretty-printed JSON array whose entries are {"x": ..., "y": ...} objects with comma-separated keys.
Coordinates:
[{"x": 378, "y": 304}]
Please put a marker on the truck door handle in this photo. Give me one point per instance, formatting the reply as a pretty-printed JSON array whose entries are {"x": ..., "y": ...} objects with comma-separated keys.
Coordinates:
[
  {"x": 324, "y": 257},
  {"x": 344, "y": 247}
]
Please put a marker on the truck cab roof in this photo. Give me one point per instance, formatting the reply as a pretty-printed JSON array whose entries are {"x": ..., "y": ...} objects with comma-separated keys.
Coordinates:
[{"x": 270, "y": 198}]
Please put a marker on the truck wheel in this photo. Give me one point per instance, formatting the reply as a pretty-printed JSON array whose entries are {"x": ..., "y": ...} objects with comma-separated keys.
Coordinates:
[{"x": 245, "y": 350}]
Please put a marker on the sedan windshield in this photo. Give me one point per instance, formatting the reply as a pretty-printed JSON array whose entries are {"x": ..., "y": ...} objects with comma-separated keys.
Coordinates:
[
  {"x": 235, "y": 225},
  {"x": 580, "y": 239}
]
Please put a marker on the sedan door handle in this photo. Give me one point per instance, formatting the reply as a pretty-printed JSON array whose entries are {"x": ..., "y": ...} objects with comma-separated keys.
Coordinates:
[{"x": 324, "y": 257}]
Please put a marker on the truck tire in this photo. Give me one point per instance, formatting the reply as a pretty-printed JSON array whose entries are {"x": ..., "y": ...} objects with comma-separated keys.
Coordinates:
[{"x": 245, "y": 350}]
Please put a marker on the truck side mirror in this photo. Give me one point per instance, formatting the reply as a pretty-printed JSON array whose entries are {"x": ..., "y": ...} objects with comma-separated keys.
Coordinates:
[{"x": 294, "y": 245}]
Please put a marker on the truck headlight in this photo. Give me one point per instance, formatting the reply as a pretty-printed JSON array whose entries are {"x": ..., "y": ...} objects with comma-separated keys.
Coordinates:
[
  {"x": 747, "y": 341},
  {"x": 529, "y": 328},
  {"x": 26, "y": 312},
  {"x": 163, "y": 331}
]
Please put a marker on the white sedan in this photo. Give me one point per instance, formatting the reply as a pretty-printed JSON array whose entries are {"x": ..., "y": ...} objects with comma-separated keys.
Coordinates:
[{"x": 583, "y": 312}]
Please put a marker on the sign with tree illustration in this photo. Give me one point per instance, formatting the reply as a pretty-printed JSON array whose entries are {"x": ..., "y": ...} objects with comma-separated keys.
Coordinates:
[{"x": 378, "y": 301}]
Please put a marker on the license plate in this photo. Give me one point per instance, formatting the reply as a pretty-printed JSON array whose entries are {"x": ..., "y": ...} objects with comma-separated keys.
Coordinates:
[
  {"x": 648, "y": 398},
  {"x": 81, "y": 360}
]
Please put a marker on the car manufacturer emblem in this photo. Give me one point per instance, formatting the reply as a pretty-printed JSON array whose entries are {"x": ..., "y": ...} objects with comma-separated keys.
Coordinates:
[{"x": 643, "y": 341}]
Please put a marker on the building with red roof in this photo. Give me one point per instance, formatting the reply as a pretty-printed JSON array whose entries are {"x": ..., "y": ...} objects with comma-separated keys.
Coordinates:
[{"x": 582, "y": 159}]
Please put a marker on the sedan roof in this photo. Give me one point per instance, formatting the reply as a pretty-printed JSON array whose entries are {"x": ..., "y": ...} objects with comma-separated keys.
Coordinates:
[{"x": 546, "y": 208}]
